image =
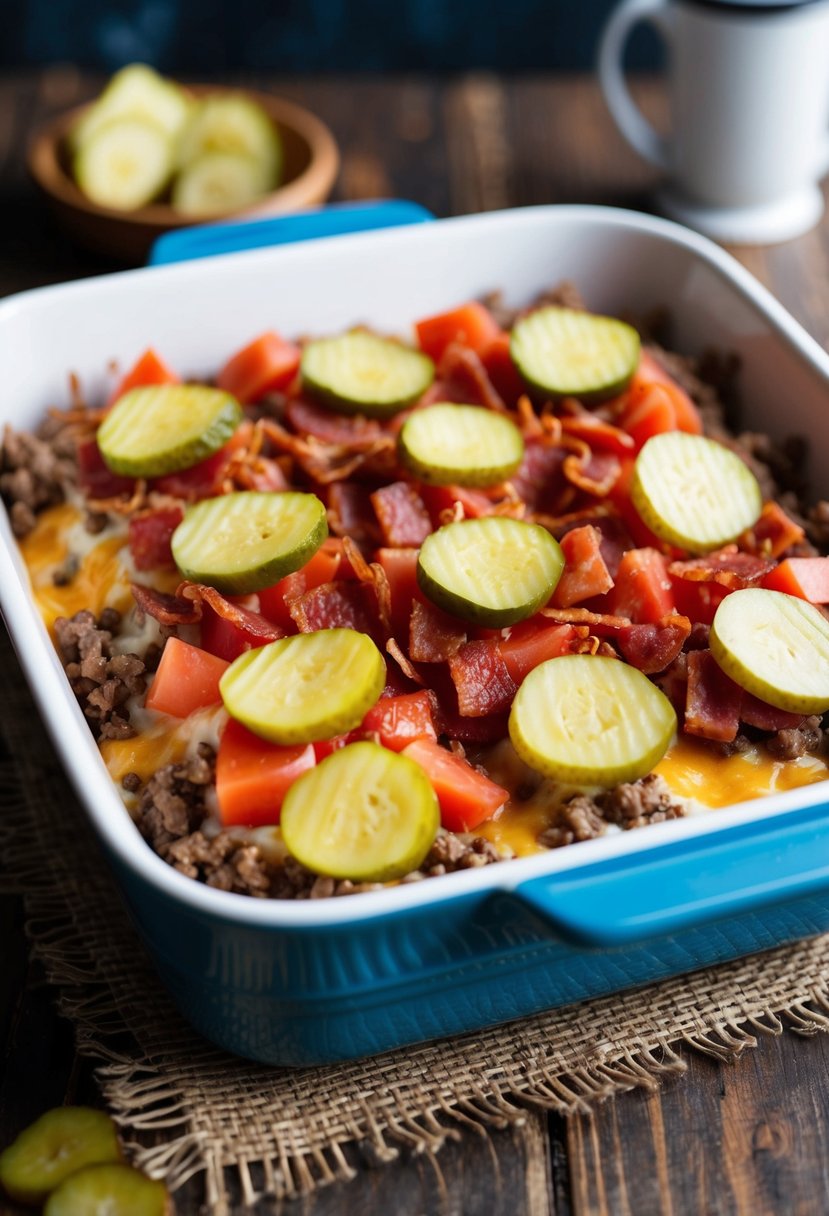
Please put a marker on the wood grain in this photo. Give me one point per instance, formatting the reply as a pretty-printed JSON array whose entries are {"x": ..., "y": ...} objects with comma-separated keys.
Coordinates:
[{"x": 724, "y": 1140}]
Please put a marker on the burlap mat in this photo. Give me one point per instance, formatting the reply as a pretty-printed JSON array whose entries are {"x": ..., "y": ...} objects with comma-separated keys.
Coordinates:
[{"x": 187, "y": 1107}]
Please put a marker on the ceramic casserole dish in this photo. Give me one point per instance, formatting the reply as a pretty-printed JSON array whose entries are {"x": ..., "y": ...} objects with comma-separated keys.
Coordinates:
[{"x": 296, "y": 983}]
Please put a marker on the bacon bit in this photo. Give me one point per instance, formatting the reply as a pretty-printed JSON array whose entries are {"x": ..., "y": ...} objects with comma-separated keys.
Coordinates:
[
  {"x": 434, "y": 636},
  {"x": 382, "y": 589},
  {"x": 767, "y": 717},
  {"x": 119, "y": 505},
  {"x": 604, "y": 623},
  {"x": 338, "y": 605},
  {"x": 359, "y": 566},
  {"x": 327, "y": 463},
  {"x": 596, "y": 474},
  {"x": 166, "y": 609},
  {"x": 402, "y": 515},
  {"x": 308, "y": 419},
  {"x": 457, "y": 748},
  {"x": 411, "y": 673},
  {"x": 528, "y": 421},
  {"x": 239, "y": 614},
  {"x": 595, "y": 431},
  {"x": 605, "y": 650},
  {"x": 727, "y": 566},
  {"x": 652, "y": 648},
  {"x": 712, "y": 700},
  {"x": 76, "y": 392},
  {"x": 464, "y": 370},
  {"x": 350, "y": 514},
  {"x": 589, "y": 645},
  {"x": 149, "y": 535},
  {"x": 585, "y": 573},
  {"x": 773, "y": 533},
  {"x": 482, "y": 681}
]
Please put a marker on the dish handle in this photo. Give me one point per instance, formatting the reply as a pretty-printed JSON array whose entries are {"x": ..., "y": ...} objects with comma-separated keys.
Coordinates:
[
  {"x": 669, "y": 888},
  {"x": 337, "y": 219}
]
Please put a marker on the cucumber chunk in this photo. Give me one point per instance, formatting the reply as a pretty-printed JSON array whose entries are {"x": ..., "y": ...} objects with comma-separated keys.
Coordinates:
[
  {"x": 57, "y": 1144},
  {"x": 776, "y": 647},
  {"x": 693, "y": 492},
  {"x": 588, "y": 720},
  {"x": 564, "y": 353},
  {"x": 307, "y": 687},
  {"x": 219, "y": 182},
  {"x": 361, "y": 373},
  {"x": 364, "y": 813},
  {"x": 230, "y": 124},
  {"x": 460, "y": 445},
  {"x": 124, "y": 164},
  {"x": 240, "y": 543},
  {"x": 137, "y": 91},
  {"x": 109, "y": 1190},
  {"x": 492, "y": 571},
  {"x": 165, "y": 427}
]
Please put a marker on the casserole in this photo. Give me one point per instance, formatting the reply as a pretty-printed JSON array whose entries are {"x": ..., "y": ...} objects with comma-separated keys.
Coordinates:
[{"x": 300, "y": 983}]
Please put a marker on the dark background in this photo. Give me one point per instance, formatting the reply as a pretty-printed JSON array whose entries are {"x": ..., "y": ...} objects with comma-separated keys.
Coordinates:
[{"x": 211, "y": 36}]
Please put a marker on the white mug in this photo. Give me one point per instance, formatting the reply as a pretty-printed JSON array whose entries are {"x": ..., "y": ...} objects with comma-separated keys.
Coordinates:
[{"x": 749, "y": 103}]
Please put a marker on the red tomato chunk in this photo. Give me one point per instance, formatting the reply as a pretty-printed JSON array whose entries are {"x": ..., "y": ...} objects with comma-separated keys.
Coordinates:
[
  {"x": 187, "y": 679},
  {"x": 467, "y": 798},
  {"x": 253, "y": 776}
]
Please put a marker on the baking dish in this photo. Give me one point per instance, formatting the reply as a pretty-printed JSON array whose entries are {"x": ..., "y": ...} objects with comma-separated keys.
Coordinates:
[{"x": 297, "y": 983}]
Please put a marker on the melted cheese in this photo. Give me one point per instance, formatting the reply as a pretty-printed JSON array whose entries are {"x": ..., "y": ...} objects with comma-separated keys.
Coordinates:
[
  {"x": 692, "y": 770},
  {"x": 162, "y": 743}
]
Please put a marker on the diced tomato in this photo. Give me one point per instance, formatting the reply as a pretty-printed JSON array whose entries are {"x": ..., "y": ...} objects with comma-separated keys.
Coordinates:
[
  {"x": 149, "y": 369},
  {"x": 253, "y": 776},
  {"x": 687, "y": 415},
  {"x": 400, "y": 566},
  {"x": 503, "y": 373},
  {"x": 639, "y": 531},
  {"x": 482, "y": 681},
  {"x": 324, "y": 747},
  {"x": 526, "y": 647},
  {"x": 643, "y": 590},
  {"x": 466, "y": 797},
  {"x": 585, "y": 573},
  {"x": 471, "y": 325},
  {"x": 187, "y": 679},
  {"x": 698, "y": 601},
  {"x": 443, "y": 498},
  {"x": 805, "y": 577},
  {"x": 266, "y": 364},
  {"x": 204, "y": 479},
  {"x": 649, "y": 411},
  {"x": 273, "y": 601},
  {"x": 229, "y": 638},
  {"x": 94, "y": 478},
  {"x": 399, "y": 720},
  {"x": 149, "y": 538},
  {"x": 773, "y": 533}
]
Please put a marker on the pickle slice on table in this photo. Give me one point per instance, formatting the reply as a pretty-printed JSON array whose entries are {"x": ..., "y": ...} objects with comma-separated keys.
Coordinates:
[
  {"x": 492, "y": 571},
  {"x": 219, "y": 182},
  {"x": 589, "y": 720},
  {"x": 124, "y": 164},
  {"x": 307, "y": 687},
  {"x": 242, "y": 542},
  {"x": 364, "y": 813},
  {"x": 776, "y": 647},
  {"x": 693, "y": 492},
  {"x": 562, "y": 352},
  {"x": 465, "y": 445},
  {"x": 57, "y": 1144},
  {"x": 361, "y": 373},
  {"x": 109, "y": 1190},
  {"x": 157, "y": 430}
]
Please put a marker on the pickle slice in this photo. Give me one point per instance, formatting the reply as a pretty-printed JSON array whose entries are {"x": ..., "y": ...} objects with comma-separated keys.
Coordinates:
[
  {"x": 156, "y": 430},
  {"x": 230, "y": 124},
  {"x": 220, "y": 182},
  {"x": 109, "y": 1190},
  {"x": 693, "y": 492},
  {"x": 124, "y": 164},
  {"x": 57, "y": 1144},
  {"x": 565, "y": 353},
  {"x": 240, "y": 543},
  {"x": 464, "y": 445},
  {"x": 362, "y": 373},
  {"x": 588, "y": 720},
  {"x": 136, "y": 91},
  {"x": 306, "y": 687},
  {"x": 776, "y": 647},
  {"x": 364, "y": 813},
  {"x": 492, "y": 571}
]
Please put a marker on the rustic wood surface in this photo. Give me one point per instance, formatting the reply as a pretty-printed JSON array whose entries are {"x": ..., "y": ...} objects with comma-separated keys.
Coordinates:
[{"x": 750, "y": 1137}]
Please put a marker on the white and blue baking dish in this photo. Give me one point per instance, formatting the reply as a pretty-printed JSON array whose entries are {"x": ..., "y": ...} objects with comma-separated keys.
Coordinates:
[{"x": 306, "y": 982}]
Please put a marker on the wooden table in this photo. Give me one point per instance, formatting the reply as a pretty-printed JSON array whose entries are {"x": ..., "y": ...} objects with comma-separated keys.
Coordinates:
[{"x": 752, "y": 1137}]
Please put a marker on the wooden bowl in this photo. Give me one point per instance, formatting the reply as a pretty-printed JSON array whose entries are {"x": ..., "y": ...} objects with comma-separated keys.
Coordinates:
[{"x": 310, "y": 164}]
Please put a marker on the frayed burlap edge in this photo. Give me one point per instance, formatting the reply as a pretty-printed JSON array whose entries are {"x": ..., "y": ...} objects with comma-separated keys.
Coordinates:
[{"x": 185, "y": 1107}]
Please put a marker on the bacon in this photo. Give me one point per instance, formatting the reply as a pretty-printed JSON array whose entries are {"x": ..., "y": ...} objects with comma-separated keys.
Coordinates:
[
  {"x": 602, "y": 623},
  {"x": 186, "y": 607},
  {"x": 95, "y": 478},
  {"x": 773, "y": 533},
  {"x": 166, "y": 609},
  {"x": 595, "y": 474},
  {"x": 355, "y": 432},
  {"x": 402, "y": 514},
  {"x": 434, "y": 636},
  {"x": 408, "y": 669},
  {"x": 539, "y": 480},
  {"x": 468, "y": 379},
  {"x": 350, "y": 513},
  {"x": 713, "y": 700},
  {"x": 598, "y": 433},
  {"x": 727, "y": 566},
  {"x": 767, "y": 717},
  {"x": 150, "y": 534},
  {"x": 652, "y": 648},
  {"x": 482, "y": 681},
  {"x": 338, "y": 605},
  {"x": 326, "y": 463}
]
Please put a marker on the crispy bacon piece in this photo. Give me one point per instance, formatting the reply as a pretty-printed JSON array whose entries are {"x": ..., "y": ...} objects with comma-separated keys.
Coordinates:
[
  {"x": 652, "y": 648},
  {"x": 345, "y": 430},
  {"x": 186, "y": 607},
  {"x": 539, "y": 480},
  {"x": 713, "y": 701},
  {"x": 595, "y": 473},
  {"x": 402, "y": 515},
  {"x": 596, "y": 432},
  {"x": 585, "y": 573},
  {"x": 467, "y": 379},
  {"x": 149, "y": 536},
  {"x": 350, "y": 513},
  {"x": 166, "y": 609},
  {"x": 95, "y": 478},
  {"x": 339, "y": 605},
  {"x": 727, "y": 566},
  {"x": 482, "y": 681},
  {"x": 773, "y": 533},
  {"x": 408, "y": 669},
  {"x": 763, "y": 716},
  {"x": 602, "y": 623},
  {"x": 434, "y": 636}
]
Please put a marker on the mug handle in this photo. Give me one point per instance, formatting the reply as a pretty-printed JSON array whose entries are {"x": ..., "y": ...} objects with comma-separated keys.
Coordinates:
[{"x": 637, "y": 130}]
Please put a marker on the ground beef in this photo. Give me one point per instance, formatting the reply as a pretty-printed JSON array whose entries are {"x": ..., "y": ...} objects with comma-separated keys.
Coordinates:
[
  {"x": 632, "y": 805},
  {"x": 102, "y": 681},
  {"x": 225, "y": 862},
  {"x": 791, "y": 744},
  {"x": 579, "y": 819},
  {"x": 450, "y": 853},
  {"x": 172, "y": 806},
  {"x": 817, "y": 525},
  {"x": 34, "y": 473}
]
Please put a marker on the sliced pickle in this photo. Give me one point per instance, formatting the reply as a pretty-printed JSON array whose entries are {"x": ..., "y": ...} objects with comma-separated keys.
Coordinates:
[
  {"x": 565, "y": 353},
  {"x": 361, "y": 373},
  {"x": 463, "y": 445},
  {"x": 492, "y": 571},
  {"x": 136, "y": 92},
  {"x": 230, "y": 124},
  {"x": 157, "y": 430},
  {"x": 57, "y": 1144},
  {"x": 776, "y": 647},
  {"x": 240, "y": 543},
  {"x": 588, "y": 720},
  {"x": 109, "y": 1190},
  {"x": 693, "y": 492},
  {"x": 124, "y": 164},
  {"x": 307, "y": 687},
  {"x": 364, "y": 813},
  {"x": 219, "y": 182}
]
